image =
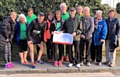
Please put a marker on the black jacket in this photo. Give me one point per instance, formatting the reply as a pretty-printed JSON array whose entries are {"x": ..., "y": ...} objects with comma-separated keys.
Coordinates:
[
  {"x": 113, "y": 32},
  {"x": 7, "y": 31},
  {"x": 53, "y": 27},
  {"x": 72, "y": 25},
  {"x": 36, "y": 26}
]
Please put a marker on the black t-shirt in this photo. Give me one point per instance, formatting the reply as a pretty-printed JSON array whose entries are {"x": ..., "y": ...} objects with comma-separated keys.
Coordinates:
[{"x": 36, "y": 31}]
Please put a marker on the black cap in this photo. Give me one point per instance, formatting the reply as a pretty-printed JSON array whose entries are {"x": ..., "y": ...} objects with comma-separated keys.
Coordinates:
[
  {"x": 72, "y": 9},
  {"x": 41, "y": 14}
]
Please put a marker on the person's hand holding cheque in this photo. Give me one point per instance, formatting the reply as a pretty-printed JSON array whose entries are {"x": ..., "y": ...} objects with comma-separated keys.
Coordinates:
[
  {"x": 57, "y": 32},
  {"x": 74, "y": 34}
]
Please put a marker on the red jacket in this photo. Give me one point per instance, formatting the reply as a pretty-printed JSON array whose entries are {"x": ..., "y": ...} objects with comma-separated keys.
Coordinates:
[{"x": 47, "y": 33}]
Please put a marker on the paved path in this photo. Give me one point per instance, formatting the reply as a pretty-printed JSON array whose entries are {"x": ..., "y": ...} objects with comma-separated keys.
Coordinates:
[
  {"x": 105, "y": 74},
  {"x": 49, "y": 68}
]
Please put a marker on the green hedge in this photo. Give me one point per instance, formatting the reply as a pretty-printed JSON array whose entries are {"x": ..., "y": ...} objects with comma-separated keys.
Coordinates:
[
  {"x": 21, "y": 6},
  {"x": 118, "y": 8}
]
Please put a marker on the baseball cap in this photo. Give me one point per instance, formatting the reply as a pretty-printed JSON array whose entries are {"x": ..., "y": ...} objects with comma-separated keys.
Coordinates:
[
  {"x": 72, "y": 9},
  {"x": 41, "y": 14}
]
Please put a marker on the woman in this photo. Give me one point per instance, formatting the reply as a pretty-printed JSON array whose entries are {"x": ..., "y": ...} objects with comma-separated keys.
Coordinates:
[
  {"x": 47, "y": 36},
  {"x": 99, "y": 36},
  {"x": 6, "y": 35},
  {"x": 113, "y": 25},
  {"x": 21, "y": 37},
  {"x": 56, "y": 26},
  {"x": 35, "y": 36}
]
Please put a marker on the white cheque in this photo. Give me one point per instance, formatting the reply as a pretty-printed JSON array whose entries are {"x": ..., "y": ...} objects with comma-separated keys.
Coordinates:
[{"x": 63, "y": 38}]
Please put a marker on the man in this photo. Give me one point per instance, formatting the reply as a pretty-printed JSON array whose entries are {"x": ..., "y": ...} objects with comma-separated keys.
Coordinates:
[
  {"x": 65, "y": 16},
  {"x": 86, "y": 36},
  {"x": 31, "y": 16},
  {"x": 35, "y": 36},
  {"x": 72, "y": 26},
  {"x": 99, "y": 36},
  {"x": 111, "y": 42},
  {"x": 79, "y": 11},
  {"x": 6, "y": 35}
]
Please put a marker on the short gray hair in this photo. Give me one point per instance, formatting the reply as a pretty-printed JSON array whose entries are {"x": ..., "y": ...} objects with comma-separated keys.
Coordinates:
[
  {"x": 63, "y": 4},
  {"x": 21, "y": 15},
  {"x": 79, "y": 6},
  {"x": 98, "y": 11},
  {"x": 86, "y": 8}
]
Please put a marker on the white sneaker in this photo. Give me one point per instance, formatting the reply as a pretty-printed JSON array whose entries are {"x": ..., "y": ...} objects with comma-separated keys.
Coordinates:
[
  {"x": 70, "y": 65},
  {"x": 88, "y": 63},
  {"x": 78, "y": 65},
  {"x": 81, "y": 63}
]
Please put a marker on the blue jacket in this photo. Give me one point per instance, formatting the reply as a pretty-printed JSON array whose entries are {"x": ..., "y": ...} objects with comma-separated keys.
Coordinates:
[
  {"x": 100, "y": 31},
  {"x": 17, "y": 32}
]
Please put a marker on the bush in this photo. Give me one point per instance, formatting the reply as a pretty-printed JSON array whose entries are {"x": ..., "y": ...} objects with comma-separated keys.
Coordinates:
[
  {"x": 118, "y": 8},
  {"x": 21, "y": 6}
]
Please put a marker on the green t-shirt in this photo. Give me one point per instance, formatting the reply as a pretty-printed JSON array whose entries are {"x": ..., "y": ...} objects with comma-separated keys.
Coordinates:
[
  {"x": 65, "y": 16},
  {"x": 30, "y": 19},
  {"x": 58, "y": 24},
  {"x": 23, "y": 31},
  {"x": 79, "y": 16}
]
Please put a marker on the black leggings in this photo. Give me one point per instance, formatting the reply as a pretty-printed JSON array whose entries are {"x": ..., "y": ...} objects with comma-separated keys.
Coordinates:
[
  {"x": 60, "y": 49},
  {"x": 96, "y": 53},
  {"x": 50, "y": 50}
]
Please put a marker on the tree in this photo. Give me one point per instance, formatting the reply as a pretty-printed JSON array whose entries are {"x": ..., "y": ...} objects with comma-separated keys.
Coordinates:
[
  {"x": 118, "y": 8},
  {"x": 21, "y": 6}
]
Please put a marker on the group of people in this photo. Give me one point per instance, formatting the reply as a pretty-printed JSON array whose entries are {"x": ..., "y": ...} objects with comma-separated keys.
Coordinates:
[{"x": 89, "y": 34}]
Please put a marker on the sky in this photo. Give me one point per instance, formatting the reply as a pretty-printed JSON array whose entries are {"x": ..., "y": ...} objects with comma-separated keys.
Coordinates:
[{"x": 110, "y": 2}]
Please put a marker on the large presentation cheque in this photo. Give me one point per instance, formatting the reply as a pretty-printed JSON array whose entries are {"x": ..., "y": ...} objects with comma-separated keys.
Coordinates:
[{"x": 63, "y": 38}]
